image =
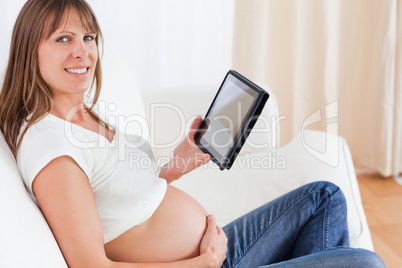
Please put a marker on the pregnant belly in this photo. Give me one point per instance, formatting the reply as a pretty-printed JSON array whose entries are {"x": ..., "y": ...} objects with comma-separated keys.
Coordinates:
[{"x": 174, "y": 232}]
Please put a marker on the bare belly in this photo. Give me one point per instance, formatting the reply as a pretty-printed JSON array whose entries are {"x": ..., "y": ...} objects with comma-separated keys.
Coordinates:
[{"x": 174, "y": 232}]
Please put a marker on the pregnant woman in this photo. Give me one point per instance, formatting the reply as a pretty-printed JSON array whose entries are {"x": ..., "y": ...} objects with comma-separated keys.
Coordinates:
[{"x": 105, "y": 212}]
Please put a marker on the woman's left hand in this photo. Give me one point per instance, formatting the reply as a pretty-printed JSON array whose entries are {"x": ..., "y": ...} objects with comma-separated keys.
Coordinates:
[{"x": 186, "y": 157}]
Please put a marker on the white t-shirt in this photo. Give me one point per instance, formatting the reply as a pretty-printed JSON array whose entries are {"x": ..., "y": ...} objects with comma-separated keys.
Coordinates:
[{"x": 122, "y": 173}]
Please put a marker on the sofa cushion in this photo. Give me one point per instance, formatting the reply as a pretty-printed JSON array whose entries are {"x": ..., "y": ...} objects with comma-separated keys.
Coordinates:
[{"x": 26, "y": 239}]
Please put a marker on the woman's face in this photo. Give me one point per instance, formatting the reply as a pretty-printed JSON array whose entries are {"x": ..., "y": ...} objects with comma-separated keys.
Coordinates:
[{"x": 67, "y": 59}]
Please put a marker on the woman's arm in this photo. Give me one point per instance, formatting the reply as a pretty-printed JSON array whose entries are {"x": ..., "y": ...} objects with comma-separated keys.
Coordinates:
[
  {"x": 186, "y": 157},
  {"x": 68, "y": 204}
]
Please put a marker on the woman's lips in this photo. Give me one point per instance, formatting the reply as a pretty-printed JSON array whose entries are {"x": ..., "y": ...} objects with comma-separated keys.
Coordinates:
[
  {"x": 80, "y": 72},
  {"x": 77, "y": 70}
]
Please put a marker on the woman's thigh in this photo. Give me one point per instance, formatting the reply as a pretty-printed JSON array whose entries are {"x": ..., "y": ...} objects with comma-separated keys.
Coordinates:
[{"x": 292, "y": 225}]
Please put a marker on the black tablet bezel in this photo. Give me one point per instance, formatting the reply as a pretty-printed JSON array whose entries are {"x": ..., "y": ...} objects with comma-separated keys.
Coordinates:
[{"x": 260, "y": 97}]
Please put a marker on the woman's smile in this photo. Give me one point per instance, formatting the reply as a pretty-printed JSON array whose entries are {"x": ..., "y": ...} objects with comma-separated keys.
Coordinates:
[{"x": 78, "y": 72}]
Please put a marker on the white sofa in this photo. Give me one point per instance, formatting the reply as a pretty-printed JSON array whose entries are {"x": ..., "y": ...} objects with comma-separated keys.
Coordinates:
[{"x": 27, "y": 241}]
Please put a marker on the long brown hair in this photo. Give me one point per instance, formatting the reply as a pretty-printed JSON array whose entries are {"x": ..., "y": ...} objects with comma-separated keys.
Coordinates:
[{"x": 25, "y": 95}]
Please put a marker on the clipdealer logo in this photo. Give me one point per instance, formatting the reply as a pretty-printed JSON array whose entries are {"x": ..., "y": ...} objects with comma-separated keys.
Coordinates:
[{"x": 268, "y": 128}]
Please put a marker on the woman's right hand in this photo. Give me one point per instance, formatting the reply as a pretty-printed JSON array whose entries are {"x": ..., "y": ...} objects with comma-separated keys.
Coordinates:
[{"x": 213, "y": 245}]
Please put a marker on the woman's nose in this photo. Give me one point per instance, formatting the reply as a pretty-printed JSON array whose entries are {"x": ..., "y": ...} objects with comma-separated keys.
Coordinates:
[{"x": 79, "y": 50}]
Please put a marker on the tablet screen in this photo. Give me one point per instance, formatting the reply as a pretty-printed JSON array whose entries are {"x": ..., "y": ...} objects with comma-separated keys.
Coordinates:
[{"x": 226, "y": 116}]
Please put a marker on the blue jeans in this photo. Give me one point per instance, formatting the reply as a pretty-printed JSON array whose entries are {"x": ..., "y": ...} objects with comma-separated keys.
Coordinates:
[{"x": 303, "y": 228}]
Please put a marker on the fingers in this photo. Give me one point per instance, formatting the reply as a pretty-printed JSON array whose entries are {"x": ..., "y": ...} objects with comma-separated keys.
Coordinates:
[
  {"x": 219, "y": 229},
  {"x": 212, "y": 227},
  {"x": 211, "y": 232},
  {"x": 220, "y": 240},
  {"x": 197, "y": 122},
  {"x": 221, "y": 233},
  {"x": 203, "y": 159},
  {"x": 211, "y": 223},
  {"x": 207, "y": 158},
  {"x": 195, "y": 125},
  {"x": 214, "y": 243}
]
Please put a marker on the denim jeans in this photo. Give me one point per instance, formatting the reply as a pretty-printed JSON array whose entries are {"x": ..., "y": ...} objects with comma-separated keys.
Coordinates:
[{"x": 306, "y": 227}]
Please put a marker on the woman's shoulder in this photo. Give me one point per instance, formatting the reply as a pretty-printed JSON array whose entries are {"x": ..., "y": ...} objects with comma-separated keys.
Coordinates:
[
  {"x": 50, "y": 137},
  {"x": 47, "y": 140},
  {"x": 53, "y": 133}
]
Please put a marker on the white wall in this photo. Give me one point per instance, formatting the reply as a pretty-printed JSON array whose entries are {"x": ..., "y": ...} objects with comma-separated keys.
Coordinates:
[
  {"x": 9, "y": 10},
  {"x": 165, "y": 43}
]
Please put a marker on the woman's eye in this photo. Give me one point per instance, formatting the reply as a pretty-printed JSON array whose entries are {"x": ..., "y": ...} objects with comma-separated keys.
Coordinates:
[
  {"x": 62, "y": 39},
  {"x": 89, "y": 38}
]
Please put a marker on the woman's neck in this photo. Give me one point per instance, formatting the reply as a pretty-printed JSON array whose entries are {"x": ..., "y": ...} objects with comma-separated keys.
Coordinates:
[{"x": 70, "y": 109}]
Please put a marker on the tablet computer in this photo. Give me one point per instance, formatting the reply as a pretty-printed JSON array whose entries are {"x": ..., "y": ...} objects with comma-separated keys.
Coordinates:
[{"x": 230, "y": 119}]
